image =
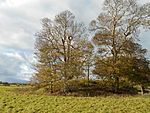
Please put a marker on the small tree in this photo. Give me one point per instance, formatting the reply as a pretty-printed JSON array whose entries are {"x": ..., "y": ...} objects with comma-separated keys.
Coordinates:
[
  {"x": 87, "y": 57},
  {"x": 136, "y": 66}
]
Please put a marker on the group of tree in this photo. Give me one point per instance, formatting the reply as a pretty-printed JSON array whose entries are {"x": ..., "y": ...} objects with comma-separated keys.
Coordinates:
[
  {"x": 4, "y": 83},
  {"x": 67, "y": 54}
]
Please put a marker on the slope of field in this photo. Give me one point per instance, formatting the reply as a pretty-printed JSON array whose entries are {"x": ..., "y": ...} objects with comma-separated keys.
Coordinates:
[{"x": 23, "y": 103}]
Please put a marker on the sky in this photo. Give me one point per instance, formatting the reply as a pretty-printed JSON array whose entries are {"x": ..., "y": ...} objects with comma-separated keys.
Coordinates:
[{"x": 21, "y": 19}]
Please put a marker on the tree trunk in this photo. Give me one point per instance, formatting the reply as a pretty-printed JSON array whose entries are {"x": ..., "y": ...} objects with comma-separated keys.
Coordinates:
[
  {"x": 88, "y": 77},
  {"x": 51, "y": 87},
  {"x": 142, "y": 89},
  {"x": 116, "y": 84}
]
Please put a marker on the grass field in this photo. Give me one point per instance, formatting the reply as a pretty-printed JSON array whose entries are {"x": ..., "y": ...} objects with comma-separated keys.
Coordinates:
[{"x": 11, "y": 102}]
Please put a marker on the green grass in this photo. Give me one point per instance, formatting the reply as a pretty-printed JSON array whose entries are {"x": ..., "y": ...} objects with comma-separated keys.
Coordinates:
[{"x": 11, "y": 102}]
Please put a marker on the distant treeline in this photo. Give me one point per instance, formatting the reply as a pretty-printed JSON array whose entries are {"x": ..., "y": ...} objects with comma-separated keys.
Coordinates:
[{"x": 8, "y": 84}]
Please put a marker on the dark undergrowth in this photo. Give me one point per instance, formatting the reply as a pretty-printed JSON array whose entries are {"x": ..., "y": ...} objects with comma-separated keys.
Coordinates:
[{"x": 80, "y": 88}]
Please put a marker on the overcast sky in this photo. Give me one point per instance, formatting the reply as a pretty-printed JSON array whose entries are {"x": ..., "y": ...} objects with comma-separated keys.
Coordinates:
[{"x": 20, "y": 20}]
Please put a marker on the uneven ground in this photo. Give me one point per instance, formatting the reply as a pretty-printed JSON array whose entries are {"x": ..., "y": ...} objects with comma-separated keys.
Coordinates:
[{"x": 11, "y": 102}]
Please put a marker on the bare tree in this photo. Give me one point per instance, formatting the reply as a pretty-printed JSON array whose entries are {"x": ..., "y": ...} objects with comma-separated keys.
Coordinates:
[
  {"x": 120, "y": 21},
  {"x": 57, "y": 45}
]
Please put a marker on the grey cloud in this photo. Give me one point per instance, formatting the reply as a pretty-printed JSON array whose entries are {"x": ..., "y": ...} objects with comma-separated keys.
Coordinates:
[
  {"x": 8, "y": 68},
  {"x": 21, "y": 23},
  {"x": 15, "y": 66},
  {"x": 86, "y": 10}
]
